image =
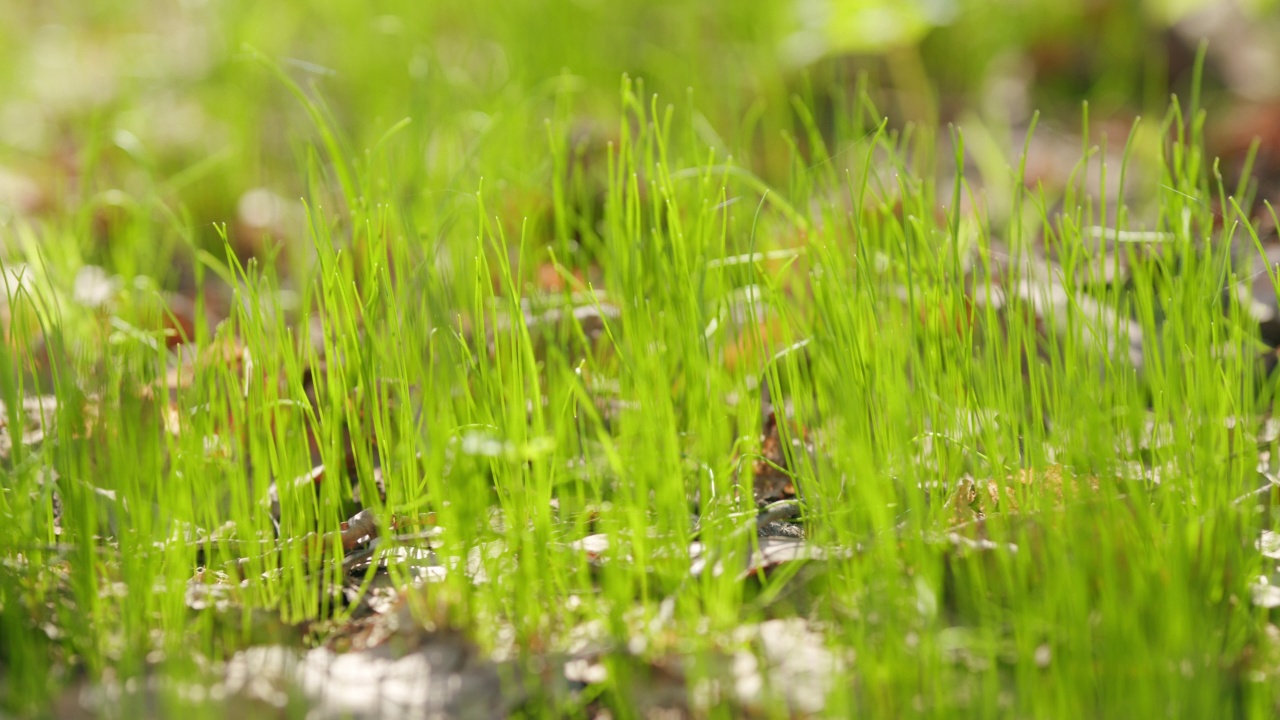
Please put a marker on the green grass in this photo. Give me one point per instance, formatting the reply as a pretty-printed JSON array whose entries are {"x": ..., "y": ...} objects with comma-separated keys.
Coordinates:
[{"x": 1015, "y": 518}]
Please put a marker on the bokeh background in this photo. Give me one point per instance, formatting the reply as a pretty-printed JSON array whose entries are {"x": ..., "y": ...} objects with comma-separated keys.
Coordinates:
[{"x": 105, "y": 105}]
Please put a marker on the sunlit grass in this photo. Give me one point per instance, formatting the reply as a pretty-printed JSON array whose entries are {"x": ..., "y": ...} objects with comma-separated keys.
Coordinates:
[{"x": 556, "y": 317}]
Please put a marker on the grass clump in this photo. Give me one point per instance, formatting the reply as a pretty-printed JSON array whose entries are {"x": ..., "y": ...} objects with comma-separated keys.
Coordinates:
[{"x": 615, "y": 417}]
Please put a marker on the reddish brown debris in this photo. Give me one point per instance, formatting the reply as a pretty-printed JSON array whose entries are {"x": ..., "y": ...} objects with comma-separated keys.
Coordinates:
[{"x": 773, "y": 474}]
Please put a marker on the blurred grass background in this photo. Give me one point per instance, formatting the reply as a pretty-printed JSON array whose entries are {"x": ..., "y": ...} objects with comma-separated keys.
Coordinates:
[{"x": 110, "y": 103}]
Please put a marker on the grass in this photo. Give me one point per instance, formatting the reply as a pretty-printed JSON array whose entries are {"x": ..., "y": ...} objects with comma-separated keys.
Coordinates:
[{"x": 1033, "y": 491}]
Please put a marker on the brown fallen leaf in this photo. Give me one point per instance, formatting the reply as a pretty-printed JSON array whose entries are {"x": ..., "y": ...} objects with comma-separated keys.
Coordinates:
[
  {"x": 773, "y": 478},
  {"x": 974, "y": 499}
]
